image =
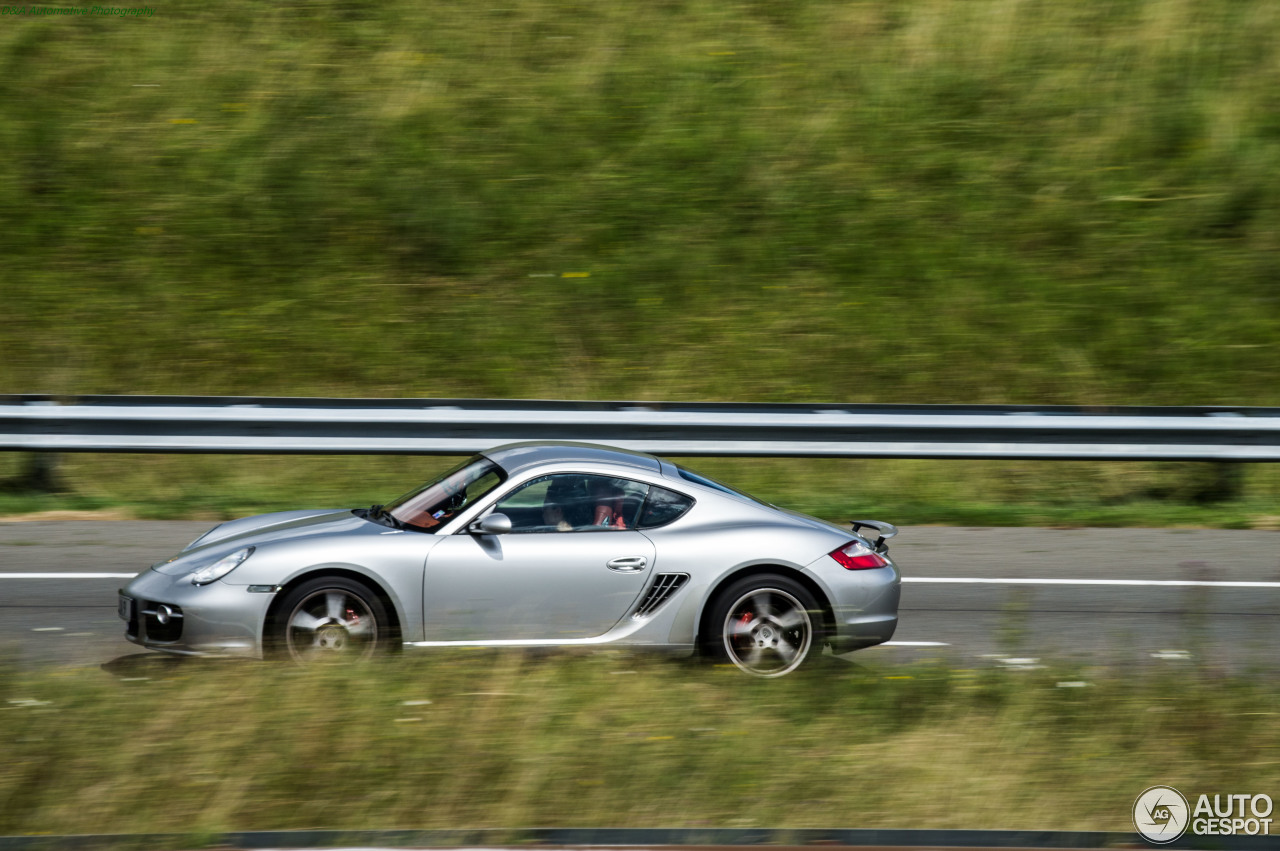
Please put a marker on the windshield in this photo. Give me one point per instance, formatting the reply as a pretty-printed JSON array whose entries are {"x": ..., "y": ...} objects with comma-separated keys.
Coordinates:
[
  {"x": 439, "y": 501},
  {"x": 707, "y": 481}
]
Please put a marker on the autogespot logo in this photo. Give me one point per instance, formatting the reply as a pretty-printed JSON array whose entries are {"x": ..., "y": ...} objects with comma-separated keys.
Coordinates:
[{"x": 1160, "y": 814}]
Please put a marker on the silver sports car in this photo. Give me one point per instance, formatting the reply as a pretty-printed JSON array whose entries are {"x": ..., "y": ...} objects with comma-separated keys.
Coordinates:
[{"x": 529, "y": 544}]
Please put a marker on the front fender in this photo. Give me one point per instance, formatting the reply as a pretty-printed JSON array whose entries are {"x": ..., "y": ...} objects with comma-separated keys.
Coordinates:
[{"x": 393, "y": 563}]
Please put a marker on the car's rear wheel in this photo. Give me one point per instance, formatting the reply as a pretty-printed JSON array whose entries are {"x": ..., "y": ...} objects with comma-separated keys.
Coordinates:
[
  {"x": 766, "y": 625},
  {"x": 331, "y": 618}
]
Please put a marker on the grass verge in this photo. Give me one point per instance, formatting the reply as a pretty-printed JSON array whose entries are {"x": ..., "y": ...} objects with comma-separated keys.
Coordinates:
[
  {"x": 964, "y": 493},
  {"x": 481, "y": 739}
]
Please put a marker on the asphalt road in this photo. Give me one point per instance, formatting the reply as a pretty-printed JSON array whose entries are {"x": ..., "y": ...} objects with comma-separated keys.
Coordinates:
[{"x": 1040, "y": 596}]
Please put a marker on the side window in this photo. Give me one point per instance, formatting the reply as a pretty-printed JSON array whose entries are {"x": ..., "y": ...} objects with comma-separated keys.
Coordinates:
[
  {"x": 525, "y": 506},
  {"x": 616, "y": 503},
  {"x": 663, "y": 507},
  {"x": 574, "y": 502}
]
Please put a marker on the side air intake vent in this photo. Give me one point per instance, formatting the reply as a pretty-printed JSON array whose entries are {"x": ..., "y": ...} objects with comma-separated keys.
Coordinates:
[{"x": 664, "y": 586}]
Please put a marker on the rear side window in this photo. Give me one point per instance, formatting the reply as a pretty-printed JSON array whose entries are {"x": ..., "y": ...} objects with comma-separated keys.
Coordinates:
[
  {"x": 707, "y": 481},
  {"x": 662, "y": 507}
]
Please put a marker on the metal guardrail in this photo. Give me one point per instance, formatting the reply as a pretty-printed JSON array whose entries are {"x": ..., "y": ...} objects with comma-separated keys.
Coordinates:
[{"x": 178, "y": 424}]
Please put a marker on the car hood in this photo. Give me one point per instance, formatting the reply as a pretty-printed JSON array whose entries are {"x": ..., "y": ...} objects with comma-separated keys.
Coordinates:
[{"x": 255, "y": 531}]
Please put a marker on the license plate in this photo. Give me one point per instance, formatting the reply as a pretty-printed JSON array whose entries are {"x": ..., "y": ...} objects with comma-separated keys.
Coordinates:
[{"x": 126, "y": 608}]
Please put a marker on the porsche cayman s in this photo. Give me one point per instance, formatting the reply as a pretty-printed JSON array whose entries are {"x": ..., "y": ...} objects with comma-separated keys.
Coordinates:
[{"x": 529, "y": 544}]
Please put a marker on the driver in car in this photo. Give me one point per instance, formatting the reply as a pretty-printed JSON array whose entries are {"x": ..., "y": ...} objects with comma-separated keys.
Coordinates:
[{"x": 555, "y": 506}]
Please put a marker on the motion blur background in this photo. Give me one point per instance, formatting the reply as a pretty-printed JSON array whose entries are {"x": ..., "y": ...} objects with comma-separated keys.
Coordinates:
[
  {"x": 923, "y": 201},
  {"x": 994, "y": 201}
]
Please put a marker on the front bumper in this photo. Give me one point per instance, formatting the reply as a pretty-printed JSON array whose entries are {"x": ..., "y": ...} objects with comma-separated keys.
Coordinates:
[
  {"x": 168, "y": 613},
  {"x": 864, "y": 603}
]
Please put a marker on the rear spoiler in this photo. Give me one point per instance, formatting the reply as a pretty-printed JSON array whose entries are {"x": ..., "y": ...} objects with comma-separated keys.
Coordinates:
[{"x": 886, "y": 530}]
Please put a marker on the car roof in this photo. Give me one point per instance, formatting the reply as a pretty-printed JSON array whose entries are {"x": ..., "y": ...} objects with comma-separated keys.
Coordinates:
[{"x": 514, "y": 457}]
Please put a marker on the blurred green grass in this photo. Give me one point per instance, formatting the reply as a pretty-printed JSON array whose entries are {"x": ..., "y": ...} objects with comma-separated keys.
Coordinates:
[
  {"x": 481, "y": 739},
  {"x": 967, "y": 493},
  {"x": 980, "y": 202}
]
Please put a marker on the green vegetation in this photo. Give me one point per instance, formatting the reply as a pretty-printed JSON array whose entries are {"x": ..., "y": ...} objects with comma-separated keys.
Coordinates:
[
  {"x": 970, "y": 493},
  {"x": 1013, "y": 201},
  {"x": 474, "y": 739}
]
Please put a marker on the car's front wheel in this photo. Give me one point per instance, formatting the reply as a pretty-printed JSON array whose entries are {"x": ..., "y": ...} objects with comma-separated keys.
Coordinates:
[
  {"x": 330, "y": 618},
  {"x": 767, "y": 625}
]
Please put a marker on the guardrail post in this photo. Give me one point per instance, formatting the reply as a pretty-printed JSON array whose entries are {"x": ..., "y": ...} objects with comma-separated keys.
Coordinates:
[
  {"x": 1228, "y": 481},
  {"x": 39, "y": 469},
  {"x": 1206, "y": 482},
  {"x": 40, "y": 474}
]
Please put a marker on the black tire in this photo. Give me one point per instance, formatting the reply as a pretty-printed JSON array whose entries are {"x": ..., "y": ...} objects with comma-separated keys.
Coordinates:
[
  {"x": 330, "y": 618},
  {"x": 766, "y": 625}
]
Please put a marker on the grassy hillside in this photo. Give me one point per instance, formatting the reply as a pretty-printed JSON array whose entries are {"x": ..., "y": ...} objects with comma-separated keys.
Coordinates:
[
  {"x": 989, "y": 201},
  {"x": 932, "y": 201}
]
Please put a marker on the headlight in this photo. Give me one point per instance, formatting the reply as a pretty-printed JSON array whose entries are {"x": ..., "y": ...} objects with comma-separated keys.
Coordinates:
[{"x": 221, "y": 567}]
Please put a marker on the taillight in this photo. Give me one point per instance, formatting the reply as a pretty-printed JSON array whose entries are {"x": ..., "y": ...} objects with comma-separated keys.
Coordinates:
[{"x": 856, "y": 555}]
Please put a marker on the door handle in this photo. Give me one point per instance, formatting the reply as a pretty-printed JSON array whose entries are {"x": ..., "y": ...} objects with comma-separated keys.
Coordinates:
[{"x": 627, "y": 564}]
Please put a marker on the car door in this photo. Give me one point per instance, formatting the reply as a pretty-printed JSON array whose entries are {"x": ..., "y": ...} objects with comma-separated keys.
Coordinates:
[{"x": 572, "y": 566}]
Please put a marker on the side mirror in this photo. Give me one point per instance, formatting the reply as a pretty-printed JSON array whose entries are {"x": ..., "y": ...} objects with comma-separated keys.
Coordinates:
[{"x": 491, "y": 524}]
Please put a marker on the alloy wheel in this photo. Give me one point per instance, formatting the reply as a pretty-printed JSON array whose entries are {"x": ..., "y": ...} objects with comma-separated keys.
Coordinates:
[
  {"x": 767, "y": 632},
  {"x": 331, "y": 623}
]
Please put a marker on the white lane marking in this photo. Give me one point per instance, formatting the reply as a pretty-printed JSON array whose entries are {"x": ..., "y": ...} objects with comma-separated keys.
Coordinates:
[
  {"x": 1172, "y": 654},
  {"x": 913, "y": 644},
  {"x": 1017, "y": 663},
  {"x": 1156, "y": 583},
  {"x": 67, "y": 575}
]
